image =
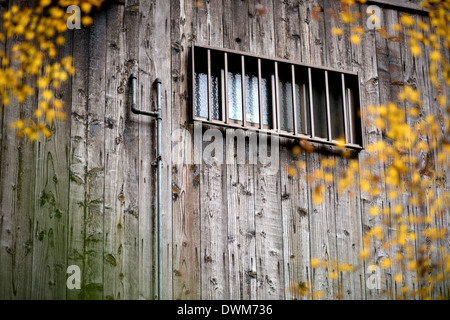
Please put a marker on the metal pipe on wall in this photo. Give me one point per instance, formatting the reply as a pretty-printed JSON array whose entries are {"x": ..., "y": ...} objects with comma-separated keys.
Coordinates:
[{"x": 158, "y": 115}]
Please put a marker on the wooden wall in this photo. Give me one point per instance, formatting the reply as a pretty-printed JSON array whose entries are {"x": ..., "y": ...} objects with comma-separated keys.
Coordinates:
[{"x": 85, "y": 196}]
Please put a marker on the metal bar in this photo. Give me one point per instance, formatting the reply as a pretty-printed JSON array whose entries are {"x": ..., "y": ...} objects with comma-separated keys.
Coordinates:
[
  {"x": 260, "y": 102},
  {"x": 294, "y": 102},
  {"x": 311, "y": 103},
  {"x": 223, "y": 92},
  {"x": 304, "y": 113},
  {"x": 246, "y": 54},
  {"x": 344, "y": 106},
  {"x": 244, "y": 111},
  {"x": 327, "y": 95},
  {"x": 360, "y": 133},
  {"x": 282, "y": 133},
  {"x": 134, "y": 107},
  {"x": 277, "y": 97},
  {"x": 350, "y": 114},
  {"x": 193, "y": 83},
  {"x": 160, "y": 171},
  {"x": 158, "y": 115},
  {"x": 274, "y": 113},
  {"x": 227, "y": 115},
  {"x": 209, "y": 86}
]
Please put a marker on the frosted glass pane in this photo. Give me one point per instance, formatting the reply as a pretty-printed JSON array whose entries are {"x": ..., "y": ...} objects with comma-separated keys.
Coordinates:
[
  {"x": 201, "y": 94},
  {"x": 234, "y": 87},
  {"x": 319, "y": 104},
  {"x": 285, "y": 97},
  {"x": 217, "y": 85},
  {"x": 302, "y": 99},
  {"x": 336, "y": 106},
  {"x": 215, "y": 97},
  {"x": 266, "y": 92},
  {"x": 298, "y": 102},
  {"x": 201, "y": 83},
  {"x": 251, "y": 90}
]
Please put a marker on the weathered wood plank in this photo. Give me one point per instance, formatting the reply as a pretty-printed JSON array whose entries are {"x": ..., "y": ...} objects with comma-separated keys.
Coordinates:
[
  {"x": 163, "y": 71},
  {"x": 295, "y": 207},
  {"x": 131, "y": 157},
  {"x": 293, "y": 193},
  {"x": 240, "y": 182},
  {"x": 114, "y": 275},
  {"x": 214, "y": 239},
  {"x": 429, "y": 161},
  {"x": 185, "y": 174},
  {"x": 77, "y": 157},
  {"x": 347, "y": 211},
  {"x": 366, "y": 63},
  {"x": 145, "y": 69},
  {"x": 95, "y": 154},
  {"x": 241, "y": 231},
  {"x": 51, "y": 214},
  {"x": 16, "y": 202}
]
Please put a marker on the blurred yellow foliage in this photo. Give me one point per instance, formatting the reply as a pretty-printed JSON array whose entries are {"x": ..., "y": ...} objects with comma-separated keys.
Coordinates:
[
  {"x": 413, "y": 154},
  {"x": 31, "y": 67}
]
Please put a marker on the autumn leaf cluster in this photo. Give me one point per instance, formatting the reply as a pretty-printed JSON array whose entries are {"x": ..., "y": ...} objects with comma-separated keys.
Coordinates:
[
  {"x": 403, "y": 172},
  {"x": 30, "y": 66}
]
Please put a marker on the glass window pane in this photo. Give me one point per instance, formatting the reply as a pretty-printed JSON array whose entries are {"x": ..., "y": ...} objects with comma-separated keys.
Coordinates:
[
  {"x": 319, "y": 103},
  {"x": 251, "y": 90},
  {"x": 234, "y": 87},
  {"x": 302, "y": 99},
  {"x": 352, "y": 101},
  {"x": 267, "y": 87},
  {"x": 336, "y": 105},
  {"x": 217, "y": 74},
  {"x": 201, "y": 82},
  {"x": 285, "y": 96}
]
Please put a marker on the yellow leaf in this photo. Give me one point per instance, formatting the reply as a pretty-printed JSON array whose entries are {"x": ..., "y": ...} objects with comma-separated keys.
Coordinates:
[
  {"x": 407, "y": 20},
  {"x": 412, "y": 265},
  {"x": 333, "y": 275},
  {"x": 374, "y": 211},
  {"x": 345, "y": 267},
  {"x": 45, "y": 3},
  {"x": 347, "y": 17},
  {"x": 364, "y": 253},
  {"x": 336, "y": 31},
  {"x": 355, "y": 38},
  {"x": 398, "y": 277},
  {"x": 385, "y": 263},
  {"x": 318, "y": 294},
  {"x": 292, "y": 171},
  {"x": 415, "y": 50},
  {"x": 87, "y": 21},
  {"x": 60, "y": 40},
  {"x": 86, "y": 7},
  {"x": 38, "y": 113},
  {"x": 396, "y": 27},
  {"x": 57, "y": 104},
  {"x": 296, "y": 150},
  {"x": 358, "y": 30},
  {"x": 315, "y": 263},
  {"x": 398, "y": 209},
  {"x": 435, "y": 55},
  {"x": 18, "y": 124},
  {"x": 47, "y": 95},
  {"x": 328, "y": 177}
]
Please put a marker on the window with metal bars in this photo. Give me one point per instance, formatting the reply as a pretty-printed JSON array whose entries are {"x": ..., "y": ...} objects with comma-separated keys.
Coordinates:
[{"x": 240, "y": 90}]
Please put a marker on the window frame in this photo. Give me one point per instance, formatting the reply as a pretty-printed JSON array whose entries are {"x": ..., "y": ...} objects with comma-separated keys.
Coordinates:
[{"x": 274, "y": 127}]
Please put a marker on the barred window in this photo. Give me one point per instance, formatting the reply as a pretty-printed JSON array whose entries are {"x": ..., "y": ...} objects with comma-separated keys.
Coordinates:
[{"x": 234, "y": 89}]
